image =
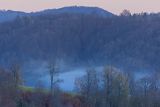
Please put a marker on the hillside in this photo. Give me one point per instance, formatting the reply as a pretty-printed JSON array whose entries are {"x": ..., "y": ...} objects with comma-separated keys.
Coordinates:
[
  {"x": 9, "y": 15},
  {"x": 78, "y": 10},
  {"x": 130, "y": 42}
]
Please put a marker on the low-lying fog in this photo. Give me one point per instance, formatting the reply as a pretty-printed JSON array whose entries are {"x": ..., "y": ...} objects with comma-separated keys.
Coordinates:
[{"x": 37, "y": 72}]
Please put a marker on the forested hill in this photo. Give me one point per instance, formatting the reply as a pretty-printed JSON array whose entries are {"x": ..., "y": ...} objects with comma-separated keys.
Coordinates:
[
  {"x": 9, "y": 15},
  {"x": 124, "y": 41},
  {"x": 78, "y": 10}
]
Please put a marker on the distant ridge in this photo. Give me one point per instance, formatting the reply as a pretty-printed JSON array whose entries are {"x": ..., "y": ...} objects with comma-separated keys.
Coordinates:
[
  {"x": 78, "y": 10},
  {"x": 10, "y": 15}
]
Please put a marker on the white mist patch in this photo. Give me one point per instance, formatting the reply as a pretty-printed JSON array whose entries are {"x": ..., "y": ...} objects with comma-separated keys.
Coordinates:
[
  {"x": 38, "y": 71},
  {"x": 68, "y": 79},
  {"x": 142, "y": 74}
]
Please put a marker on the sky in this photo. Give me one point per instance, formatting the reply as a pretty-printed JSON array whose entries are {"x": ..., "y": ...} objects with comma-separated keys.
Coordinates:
[{"x": 114, "y": 6}]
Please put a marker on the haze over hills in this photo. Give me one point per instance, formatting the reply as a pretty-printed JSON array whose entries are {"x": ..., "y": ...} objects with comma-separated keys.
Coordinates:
[
  {"x": 97, "y": 37},
  {"x": 124, "y": 41},
  {"x": 79, "y": 57},
  {"x": 10, "y": 15}
]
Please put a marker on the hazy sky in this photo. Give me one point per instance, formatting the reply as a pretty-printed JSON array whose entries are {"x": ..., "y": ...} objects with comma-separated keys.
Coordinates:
[{"x": 115, "y": 6}]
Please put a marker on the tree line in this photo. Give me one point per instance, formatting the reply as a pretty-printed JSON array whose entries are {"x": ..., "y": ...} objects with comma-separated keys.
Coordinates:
[
  {"x": 115, "y": 88},
  {"x": 13, "y": 92},
  {"x": 109, "y": 87}
]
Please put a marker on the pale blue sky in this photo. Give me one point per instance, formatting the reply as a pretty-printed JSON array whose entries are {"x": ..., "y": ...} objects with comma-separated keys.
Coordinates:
[{"x": 115, "y": 6}]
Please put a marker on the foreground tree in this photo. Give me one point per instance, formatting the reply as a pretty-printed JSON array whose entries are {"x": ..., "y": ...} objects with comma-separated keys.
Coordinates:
[
  {"x": 15, "y": 69},
  {"x": 88, "y": 86},
  {"x": 8, "y": 91},
  {"x": 116, "y": 88},
  {"x": 112, "y": 90},
  {"x": 53, "y": 73},
  {"x": 55, "y": 91}
]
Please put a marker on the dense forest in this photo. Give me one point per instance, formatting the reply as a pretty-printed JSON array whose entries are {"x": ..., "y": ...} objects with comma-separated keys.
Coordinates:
[{"x": 126, "y": 41}]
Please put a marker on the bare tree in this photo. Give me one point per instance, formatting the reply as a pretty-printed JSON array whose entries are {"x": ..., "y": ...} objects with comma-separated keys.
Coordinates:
[
  {"x": 54, "y": 86},
  {"x": 88, "y": 86},
  {"x": 126, "y": 13},
  {"x": 53, "y": 73},
  {"x": 8, "y": 92},
  {"x": 15, "y": 69},
  {"x": 107, "y": 85},
  {"x": 116, "y": 88}
]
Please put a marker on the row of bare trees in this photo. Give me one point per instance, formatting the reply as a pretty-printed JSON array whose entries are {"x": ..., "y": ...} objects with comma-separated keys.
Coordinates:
[
  {"x": 14, "y": 94},
  {"x": 107, "y": 88},
  {"x": 114, "y": 88}
]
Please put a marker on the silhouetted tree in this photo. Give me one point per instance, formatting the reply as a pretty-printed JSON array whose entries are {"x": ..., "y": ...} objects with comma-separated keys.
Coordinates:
[{"x": 88, "y": 87}]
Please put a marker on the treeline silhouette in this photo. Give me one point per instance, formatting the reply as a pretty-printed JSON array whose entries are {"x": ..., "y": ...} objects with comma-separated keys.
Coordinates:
[
  {"x": 13, "y": 93},
  {"x": 110, "y": 87},
  {"x": 115, "y": 88}
]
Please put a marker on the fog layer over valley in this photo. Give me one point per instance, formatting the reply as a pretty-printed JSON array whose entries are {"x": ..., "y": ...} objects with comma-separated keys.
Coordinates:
[
  {"x": 38, "y": 72},
  {"x": 94, "y": 38},
  {"x": 79, "y": 57}
]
